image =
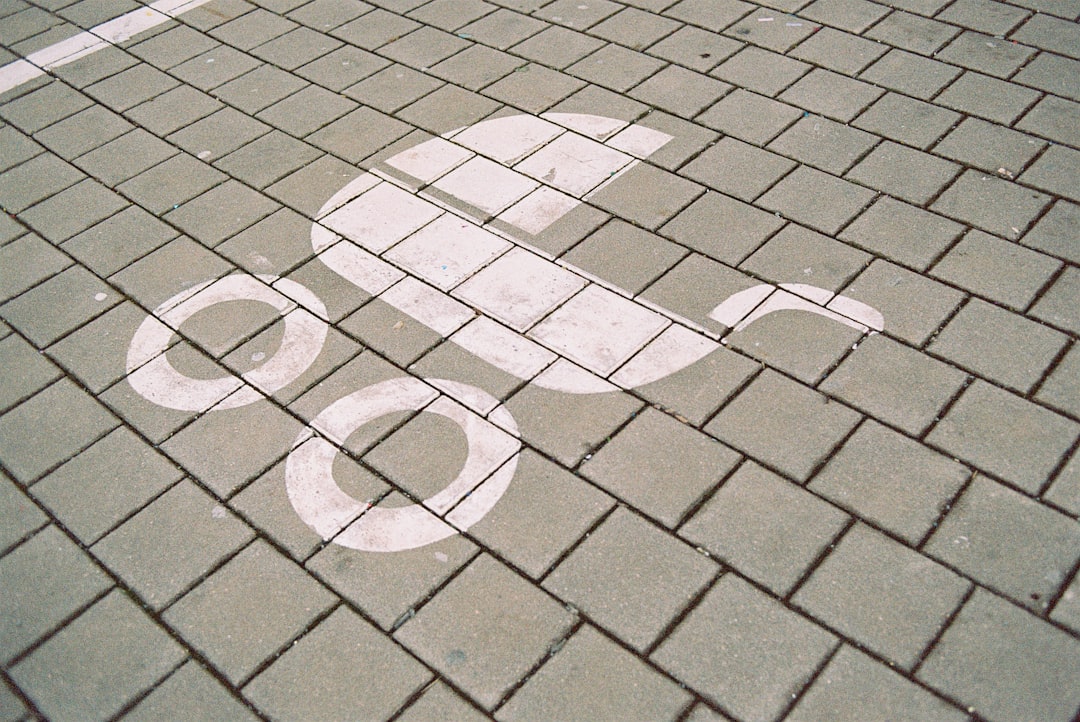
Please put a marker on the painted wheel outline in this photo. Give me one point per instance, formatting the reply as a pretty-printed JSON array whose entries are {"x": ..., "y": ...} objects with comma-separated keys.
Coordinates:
[
  {"x": 154, "y": 377},
  {"x": 341, "y": 519}
]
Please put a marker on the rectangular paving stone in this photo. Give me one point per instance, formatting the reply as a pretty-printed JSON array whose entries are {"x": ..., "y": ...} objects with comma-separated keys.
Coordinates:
[
  {"x": 485, "y": 630},
  {"x": 749, "y": 116},
  {"x": 694, "y": 288},
  {"x": 910, "y": 74},
  {"x": 744, "y": 651},
  {"x": 883, "y": 595},
  {"x": 839, "y": 51},
  {"x": 79, "y": 133},
  {"x": 190, "y": 692},
  {"x": 760, "y": 28},
  {"x": 783, "y": 424},
  {"x": 912, "y": 32},
  {"x": 904, "y": 173},
  {"x": 131, "y": 87},
  {"x": 831, "y": 94},
  {"x": 824, "y": 144},
  {"x": 797, "y": 254},
  {"x": 721, "y": 227},
  {"x": 641, "y": 258},
  {"x": 1055, "y": 171},
  {"x": 695, "y": 48},
  {"x": 985, "y": 16},
  {"x": 765, "y": 527},
  {"x": 985, "y": 54},
  {"x": 682, "y": 92},
  {"x": 737, "y": 169},
  {"x": 35, "y": 180},
  {"x": 221, "y": 212},
  {"x": 1000, "y": 270},
  {"x": 902, "y": 233},
  {"x": 987, "y": 97},
  {"x": 822, "y": 201},
  {"x": 75, "y": 295},
  {"x": 99, "y": 663},
  {"x": 989, "y": 147},
  {"x": 28, "y": 371},
  {"x": 1059, "y": 390},
  {"x": 1053, "y": 118},
  {"x": 21, "y": 514},
  {"x": 1054, "y": 230},
  {"x": 991, "y": 203},
  {"x": 999, "y": 661},
  {"x": 44, "y": 106},
  {"x": 760, "y": 70},
  {"x": 27, "y": 261}
]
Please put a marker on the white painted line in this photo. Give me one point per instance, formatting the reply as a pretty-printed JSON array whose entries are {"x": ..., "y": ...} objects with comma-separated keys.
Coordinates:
[{"x": 97, "y": 38}]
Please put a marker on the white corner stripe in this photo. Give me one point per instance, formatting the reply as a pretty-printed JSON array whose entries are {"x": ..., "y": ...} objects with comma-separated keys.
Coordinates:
[{"x": 98, "y": 37}]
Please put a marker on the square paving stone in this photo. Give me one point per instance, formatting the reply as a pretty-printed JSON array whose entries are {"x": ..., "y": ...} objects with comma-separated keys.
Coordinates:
[
  {"x": 904, "y": 173},
  {"x": 853, "y": 683},
  {"x": 913, "y": 305},
  {"x": 721, "y": 227},
  {"x": 660, "y": 466},
  {"x": 988, "y": 146},
  {"x": 902, "y": 233},
  {"x": 634, "y": 28},
  {"x": 1008, "y": 542},
  {"x": 738, "y": 169},
  {"x": 172, "y": 47},
  {"x": 996, "y": 269},
  {"x": 248, "y": 610},
  {"x": 277, "y": 243},
  {"x": 765, "y": 527},
  {"x": 831, "y": 94},
  {"x": 18, "y": 147},
  {"x": 74, "y": 297},
  {"x": 511, "y": 528},
  {"x": 891, "y": 481},
  {"x": 191, "y": 693},
  {"x": 27, "y": 371},
  {"x": 883, "y": 595},
  {"x": 824, "y": 144},
  {"x": 99, "y": 663},
  {"x": 749, "y": 116},
  {"x": 306, "y": 190},
  {"x": 1055, "y": 232},
  {"x": 760, "y": 70},
  {"x": 46, "y": 580},
  {"x": 1062, "y": 389},
  {"x": 895, "y": 383},
  {"x": 799, "y": 255},
  {"x": 119, "y": 473},
  {"x": 628, "y": 559},
  {"x": 987, "y": 97},
  {"x": 912, "y": 32},
  {"x": 362, "y": 674},
  {"x": 252, "y": 29},
  {"x": 821, "y": 201},
  {"x": 984, "y": 338},
  {"x": 783, "y": 424},
  {"x": 486, "y": 630},
  {"x": 624, "y": 255},
  {"x": 1005, "y": 664},
  {"x": 33, "y": 438},
  {"x": 744, "y": 651},
  {"x": 1005, "y": 435},
  {"x": 27, "y": 261},
  {"x": 593, "y": 678},
  {"x": 224, "y": 449},
  {"x": 197, "y": 532},
  {"x": 274, "y": 155},
  {"x": 906, "y": 120},
  {"x": 21, "y": 515}
]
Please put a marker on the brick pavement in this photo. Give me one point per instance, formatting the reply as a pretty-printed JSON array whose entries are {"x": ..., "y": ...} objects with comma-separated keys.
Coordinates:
[{"x": 237, "y": 261}]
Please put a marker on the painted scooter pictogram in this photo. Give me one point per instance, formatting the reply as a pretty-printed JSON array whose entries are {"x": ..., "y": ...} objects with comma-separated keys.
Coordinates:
[{"x": 439, "y": 231}]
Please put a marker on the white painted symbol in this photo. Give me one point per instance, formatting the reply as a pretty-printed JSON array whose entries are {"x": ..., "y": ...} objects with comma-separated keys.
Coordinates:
[{"x": 439, "y": 231}]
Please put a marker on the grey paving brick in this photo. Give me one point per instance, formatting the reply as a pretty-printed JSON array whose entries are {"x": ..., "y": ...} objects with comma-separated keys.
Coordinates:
[
  {"x": 534, "y": 88},
  {"x": 987, "y": 97},
  {"x": 358, "y": 134},
  {"x": 27, "y": 261},
  {"x": 910, "y": 74},
  {"x": 267, "y": 159},
  {"x": 374, "y": 29},
  {"x": 713, "y": 16},
  {"x": 902, "y": 233},
  {"x": 749, "y": 117},
  {"x": 190, "y": 692},
  {"x": 117, "y": 241},
  {"x": 1056, "y": 172},
  {"x": 477, "y": 66},
  {"x": 824, "y": 144},
  {"x": 695, "y": 287},
  {"x": 1060, "y": 389},
  {"x": 695, "y": 48},
  {"x": 341, "y": 68},
  {"x": 891, "y": 481},
  {"x": 1068, "y": 9},
  {"x": 623, "y": 556},
  {"x": 914, "y": 306},
  {"x": 821, "y": 201},
  {"x": 831, "y": 94},
  {"x": 853, "y": 682},
  {"x": 175, "y": 45},
  {"x": 982, "y": 337},
  {"x": 642, "y": 256},
  {"x": 987, "y": 660},
  {"x": 796, "y": 255},
  {"x": 760, "y": 70},
  {"x": 151, "y": 420},
  {"x": 737, "y": 169},
  {"x": 248, "y": 610},
  {"x": 485, "y": 630},
  {"x": 125, "y": 157},
  {"x": 438, "y": 701},
  {"x": 295, "y": 48},
  {"x": 894, "y": 383},
  {"x": 99, "y": 663},
  {"x": 423, "y": 47},
  {"x": 88, "y": 14},
  {"x": 991, "y": 203},
  {"x": 92, "y": 68},
  {"x": 557, "y": 47},
  {"x": 1000, "y": 270},
  {"x": 214, "y": 67},
  {"x": 584, "y": 421},
  {"x": 219, "y": 134},
  {"x": 761, "y": 28},
  {"x": 765, "y": 527},
  {"x": 1052, "y": 73},
  {"x": 18, "y": 147},
  {"x": 266, "y": 506},
  {"x": 22, "y": 516},
  {"x": 1050, "y": 33},
  {"x": 912, "y": 32},
  {"x": 985, "y": 16},
  {"x": 634, "y": 28},
  {"x": 1054, "y": 118},
  {"x": 1067, "y": 610},
  {"x": 592, "y": 677},
  {"x": 1008, "y": 542},
  {"x": 851, "y": 15},
  {"x": 131, "y": 87},
  {"x": 171, "y": 183},
  {"x": 44, "y": 106},
  {"x": 615, "y": 67},
  {"x": 721, "y": 227},
  {"x": 77, "y": 134},
  {"x": 221, "y": 212},
  {"x": 447, "y": 109},
  {"x": 783, "y": 424},
  {"x": 325, "y": 15},
  {"x": 906, "y": 120},
  {"x": 28, "y": 371},
  {"x": 503, "y": 28},
  {"x": 258, "y": 89},
  {"x": 350, "y": 653},
  {"x": 391, "y": 332},
  {"x": 252, "y": 29},
  {"x": 697, "y": 391},
  {"x": 579, "y": 16},
  {"x": 75, "y": 295},
  {"x": 173, "y": 110},
  {"x": 839, "y": 51},
  {"x": 48, "y": 578},
  {"x": 307, "y": 189},
  {"x": 680, "y": 91},
  {"x": 989, "y": 147},
  {"x": 744, "y": 651},
  {"x": 12, "y": 707},
  {"x": 660, "y": 466},
  {"x": 1005, "y": 435},
  {"x": 1054, "y": 231},
  {"x": 34, "y": 181},
  {"x": 883, "y": 595},
  {"x": 70, "y": 211},
  {"x": 985, "y": 54},
  {"x": 197, "y": 531}
]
